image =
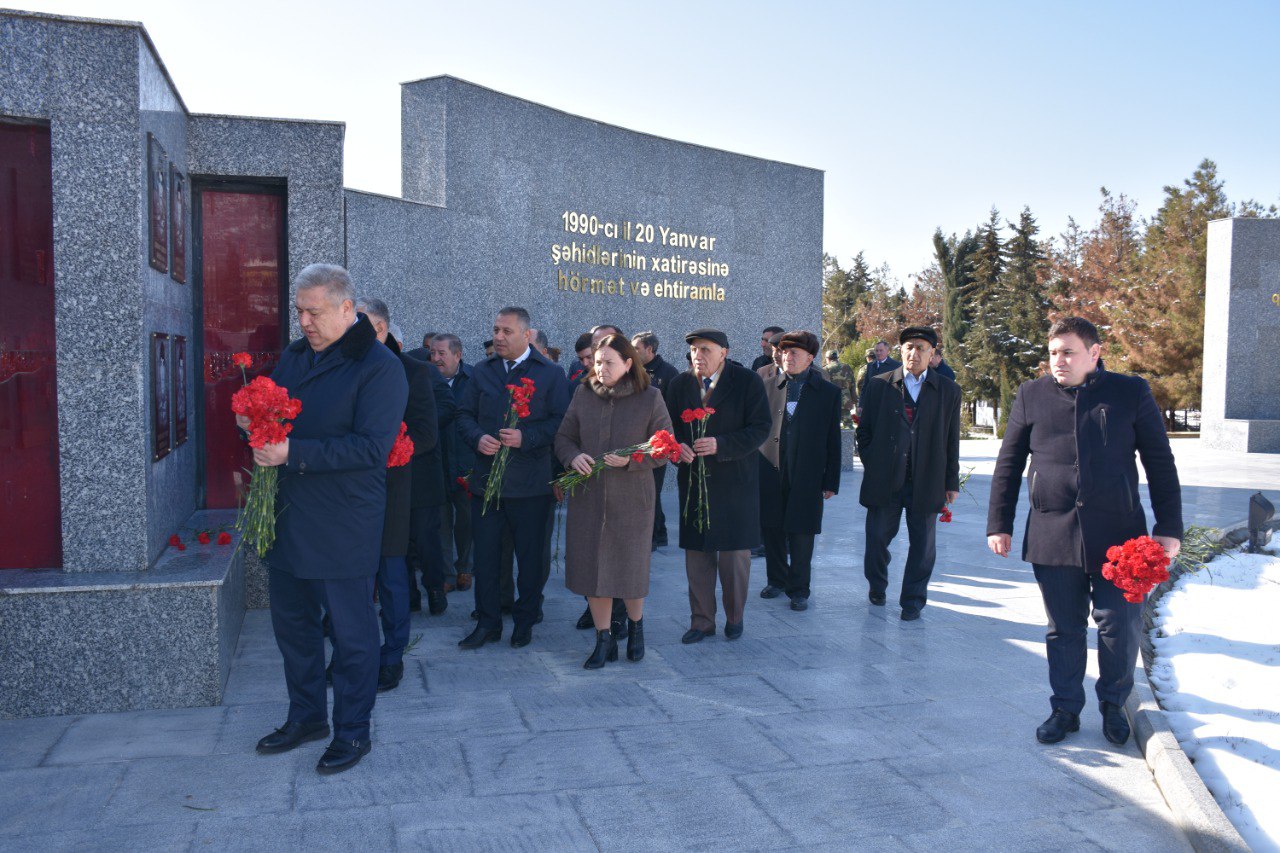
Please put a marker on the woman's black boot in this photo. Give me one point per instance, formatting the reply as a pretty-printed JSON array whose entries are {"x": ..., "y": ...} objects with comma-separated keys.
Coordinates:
[
  {"x": 635, "y": 639},
  {"x": 606, "y": 650}
]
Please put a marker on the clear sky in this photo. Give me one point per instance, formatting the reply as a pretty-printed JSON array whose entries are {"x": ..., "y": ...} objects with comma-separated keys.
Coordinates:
[{"x": 922, "y": 114}]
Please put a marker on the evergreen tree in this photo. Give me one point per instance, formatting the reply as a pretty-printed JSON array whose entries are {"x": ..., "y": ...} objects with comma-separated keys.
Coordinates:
[
  {"x": 983, "y": 343},
  {"x": 953, "y": 256}
]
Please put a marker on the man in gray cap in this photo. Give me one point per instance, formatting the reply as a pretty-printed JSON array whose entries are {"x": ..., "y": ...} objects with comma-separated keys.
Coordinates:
[
  {"x": 909, "y": 443},
  {"x": 730, "y": 449}
]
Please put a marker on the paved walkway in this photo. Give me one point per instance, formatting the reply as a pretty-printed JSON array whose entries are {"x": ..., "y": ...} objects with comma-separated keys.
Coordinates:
[{"x": 840, "y": 727}]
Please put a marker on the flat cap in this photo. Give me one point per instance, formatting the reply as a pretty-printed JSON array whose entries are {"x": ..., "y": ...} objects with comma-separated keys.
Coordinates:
[
  {"x": 800, "y": 339},
  {"x": 714, "y": 335},
  {"x": 923, "y": 333}
]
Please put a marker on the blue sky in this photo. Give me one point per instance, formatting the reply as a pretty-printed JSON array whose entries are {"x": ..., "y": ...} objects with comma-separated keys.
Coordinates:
[{"x": 922, "y": 114}]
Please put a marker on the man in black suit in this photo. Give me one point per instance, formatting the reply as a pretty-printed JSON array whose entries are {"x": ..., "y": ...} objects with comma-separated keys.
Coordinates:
[
  {"x": 802, "y": 467},
  {"x": 526, "y": 484},
  {"x": 939, "y": 364},
  {"x": 1082, "y": 426},
  {"x": 455, "y": 517},
  {"x": 730, "y": 449},
  {"x": 909, "y": 443},
  {"x": 661, "y": 372},
  {"x": 766, "y": 356},
  {"x": 882, "y": 363}
]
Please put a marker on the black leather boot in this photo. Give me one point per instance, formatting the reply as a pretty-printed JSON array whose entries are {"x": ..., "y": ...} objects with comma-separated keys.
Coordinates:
[
  {"x": 585, "y": 621},
  {"x": 635, "y": 639},
  {"x": 606, "y": 650}
]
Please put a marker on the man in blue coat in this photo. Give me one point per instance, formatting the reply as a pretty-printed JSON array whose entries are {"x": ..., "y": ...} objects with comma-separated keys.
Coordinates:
[
  {"x": 330, "y": 513},
  {"x": 1082, "y": 426},
  {"x": 526, "y": 486}
]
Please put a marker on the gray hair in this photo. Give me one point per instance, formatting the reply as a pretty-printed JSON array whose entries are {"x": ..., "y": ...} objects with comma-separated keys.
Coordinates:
[
  {"x": 375, "y": 308},
  {"x": 540, "y": 340},
  {"x": 454, "y": 342},
  {"x": 333, "y": 278},
  {"x": 648, "y": 339},
  {"x": 519, "y": 313}
]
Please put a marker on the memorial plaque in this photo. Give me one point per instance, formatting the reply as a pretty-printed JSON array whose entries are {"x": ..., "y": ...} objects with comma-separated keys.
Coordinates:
[
  {"x": 160, "y": 406},
  {"x": 178, "y": 225},
  {"x": 157, "y": 204}
]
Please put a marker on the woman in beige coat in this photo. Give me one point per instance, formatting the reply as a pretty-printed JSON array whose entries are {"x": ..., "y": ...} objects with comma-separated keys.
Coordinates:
[{"x": 610, "y": 521}]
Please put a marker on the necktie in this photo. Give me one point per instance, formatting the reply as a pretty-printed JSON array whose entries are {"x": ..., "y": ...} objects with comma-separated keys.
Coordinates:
[
  {"x": 510, "y": 365},
  {"x": 706, "y": 388}
]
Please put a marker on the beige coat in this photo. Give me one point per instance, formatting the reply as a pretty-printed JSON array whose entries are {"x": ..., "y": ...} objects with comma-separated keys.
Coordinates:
[{"x": 610, "y": 519}]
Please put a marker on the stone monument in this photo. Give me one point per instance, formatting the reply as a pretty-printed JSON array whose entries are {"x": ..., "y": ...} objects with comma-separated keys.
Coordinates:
[{"x": 1240, "y": 407}]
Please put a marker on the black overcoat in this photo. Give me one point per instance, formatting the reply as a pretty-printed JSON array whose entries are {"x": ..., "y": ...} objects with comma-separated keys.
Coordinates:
[
  {"x": 884, "y": 437},
  {"x": 1083, "y": 479},
  {"x": 420, "y": 418},
  {"x": 808, "y": 454},
  {"x": 333, "y": 489},
  {"x": 739, "y": 426},
  {"x": 874, "y": 369},
  {"x": 430, "y": 486}
]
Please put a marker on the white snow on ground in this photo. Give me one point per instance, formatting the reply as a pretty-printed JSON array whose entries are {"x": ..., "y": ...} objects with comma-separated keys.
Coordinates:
[{"x": 1217, "y": 673}]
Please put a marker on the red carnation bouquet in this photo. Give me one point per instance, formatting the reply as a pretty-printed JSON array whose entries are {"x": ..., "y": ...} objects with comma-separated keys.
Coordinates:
[
  {"x": 661, "y": 445},
  {"x": 1136, "y": 567},
  {"x": 402, "y": 450},
  {"x": 697, "y": 421},
  {"x": 519, "y": 396},
  {"x": 269, "y": 409}
]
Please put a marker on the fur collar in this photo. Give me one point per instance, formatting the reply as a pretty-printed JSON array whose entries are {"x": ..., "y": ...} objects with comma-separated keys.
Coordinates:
[
  {"x": 354, "y": 345},
  {"x": 625, "y": 387}
]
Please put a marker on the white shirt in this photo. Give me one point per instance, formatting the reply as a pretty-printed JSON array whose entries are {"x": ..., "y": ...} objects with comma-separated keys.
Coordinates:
[
  {"x": 913, "y": 384},
  {"x": 516, "y": 361}
]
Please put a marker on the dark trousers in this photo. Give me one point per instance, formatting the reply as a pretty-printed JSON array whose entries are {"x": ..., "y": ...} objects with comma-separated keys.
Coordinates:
[
  {"x": 425, "y": 549},
  {"x": 883, "y": 523},
  {"x": 788, "y": 560},
  {"x": 527, "y": 519},
  {"x": 393, "y": 602},
  {"x": 296, "y": 607},
  {"x": 659, "y": 517},
  {"x": 1069, "y": 592},
  {"x": 455, "y": 527}
]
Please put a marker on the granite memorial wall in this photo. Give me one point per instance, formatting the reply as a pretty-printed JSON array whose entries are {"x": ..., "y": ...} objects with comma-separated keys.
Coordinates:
[{"x": 111, "y": 407}]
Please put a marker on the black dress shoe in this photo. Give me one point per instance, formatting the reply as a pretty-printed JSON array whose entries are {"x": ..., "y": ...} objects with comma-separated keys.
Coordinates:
[
  {"x": 437, "y": 602},
  {"x": 521, "y": 637},
  {"x": 1115, "y": 725},
  {"x": 389, "y": 677},
  {"x": 290, "y": 735},
  {"x": 342, "y": 755},
  {"x": 693, "y": 635},
  {"x": 1059, "y": 724},
  {"x": 770, "y": 592},
  {"x": 537, "y": 620},
  {"x": 799, "y": 602},
  {"x": 757, "y": 552},
  {"x": 732, "y": 631},
  {"x": 910, "y": 614},
  {"x": 479, "y": 637},
  {"x": 585, "y": 621},
  {"x": 876, "y": 598},
  {"x": 415, "y": 605}
]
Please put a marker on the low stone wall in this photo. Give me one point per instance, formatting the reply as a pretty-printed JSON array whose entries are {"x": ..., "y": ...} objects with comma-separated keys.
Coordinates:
[{"x": 93, "y": 642}]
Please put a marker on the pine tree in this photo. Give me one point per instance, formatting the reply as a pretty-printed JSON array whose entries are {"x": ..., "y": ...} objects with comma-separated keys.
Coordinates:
[
  {"x": 1024, "y": 309},
  {"x": 986, "y": 328},
  {"x": 842, "y": 293},
  {"x": 953, "y": 256}
]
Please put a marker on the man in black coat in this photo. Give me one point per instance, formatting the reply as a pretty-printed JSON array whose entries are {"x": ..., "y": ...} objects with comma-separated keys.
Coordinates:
[
  {"x": 766, "y": 356},
  {"x": 881, "y": 363},
  {"x": 661, "y": 372},
  {"x": 526, "y": 485},
  {"x": 802, "y": 467},
  {"x": 393, "y": 578},
  {"x": 731, "y": 451},
  {"x": 429, "y": 494},
  {"x": 446, "y": 355},
  {"x": 909, "y": 444},
  {"x": 1082, "y": 426},
  {"x": 331, "y": 510}
]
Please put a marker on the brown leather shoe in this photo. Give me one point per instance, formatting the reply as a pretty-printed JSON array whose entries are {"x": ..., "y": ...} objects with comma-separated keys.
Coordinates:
[
  {"x": 464, "y": 581},
  {"x": 448, "y": 587}
]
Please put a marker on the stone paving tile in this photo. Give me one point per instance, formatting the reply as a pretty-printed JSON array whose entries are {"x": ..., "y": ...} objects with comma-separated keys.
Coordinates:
[
  {"x": 517, "y": 822},
  {"x": 587, "y": 706},
  {"x": 398, "y": 718},
  {"x": 677, "y": 814},
  {"x": 1015, "y": 836},
  {"x": 244, "y": 725},
  {"x": 120, "y": 737},
  {"x": 844, "y": 805},
  {"x": 858, "y": 687},
  {"x": 27, "y": 741},
  {"x": 568, "y": 670},
  {"x": 545, "y": 762},
  {"x": 256, "y": 683},
  {"x": 160, "y": 837},
  {"x": 495, "y": 665},
  {"x": 725, "y": 696},
  {"x": 817, "y": 738},
  {"x": 698, "y": 749},
  {"x": 330, "y": 829},
  {"x": 234, "y": 785},
  {"x": 50, "y": 799},
  {"x": 421, "y": 771},
  {"x": 1135, "y": 829}
]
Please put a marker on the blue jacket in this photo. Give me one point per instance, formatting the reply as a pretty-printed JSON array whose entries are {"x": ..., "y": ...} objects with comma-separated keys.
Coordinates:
[
  {"x": 462, "y": 459},
  {"x": 485, "y": 402},
  {"x": 333, "y": 492}
]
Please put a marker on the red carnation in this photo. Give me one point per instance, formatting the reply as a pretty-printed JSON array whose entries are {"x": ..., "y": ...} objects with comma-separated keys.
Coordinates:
[
  {"x": 175, "y": 540},
  {"x": 402, "y": 450},
  {"x": 945, "y": 516},
  {"x": 180, "y": 547},
  {"x": 224, "y": 538},
  {"x": 1136, "y": 567},
  {"x": 202, "y": 537},
  {"x": 637, "y": 457},
  {"x": 242, "y": 359},
  {"x": 268, "y": 407},
  {"x": 687, "y": 416},
  {"x": 708, "y": 412}
]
